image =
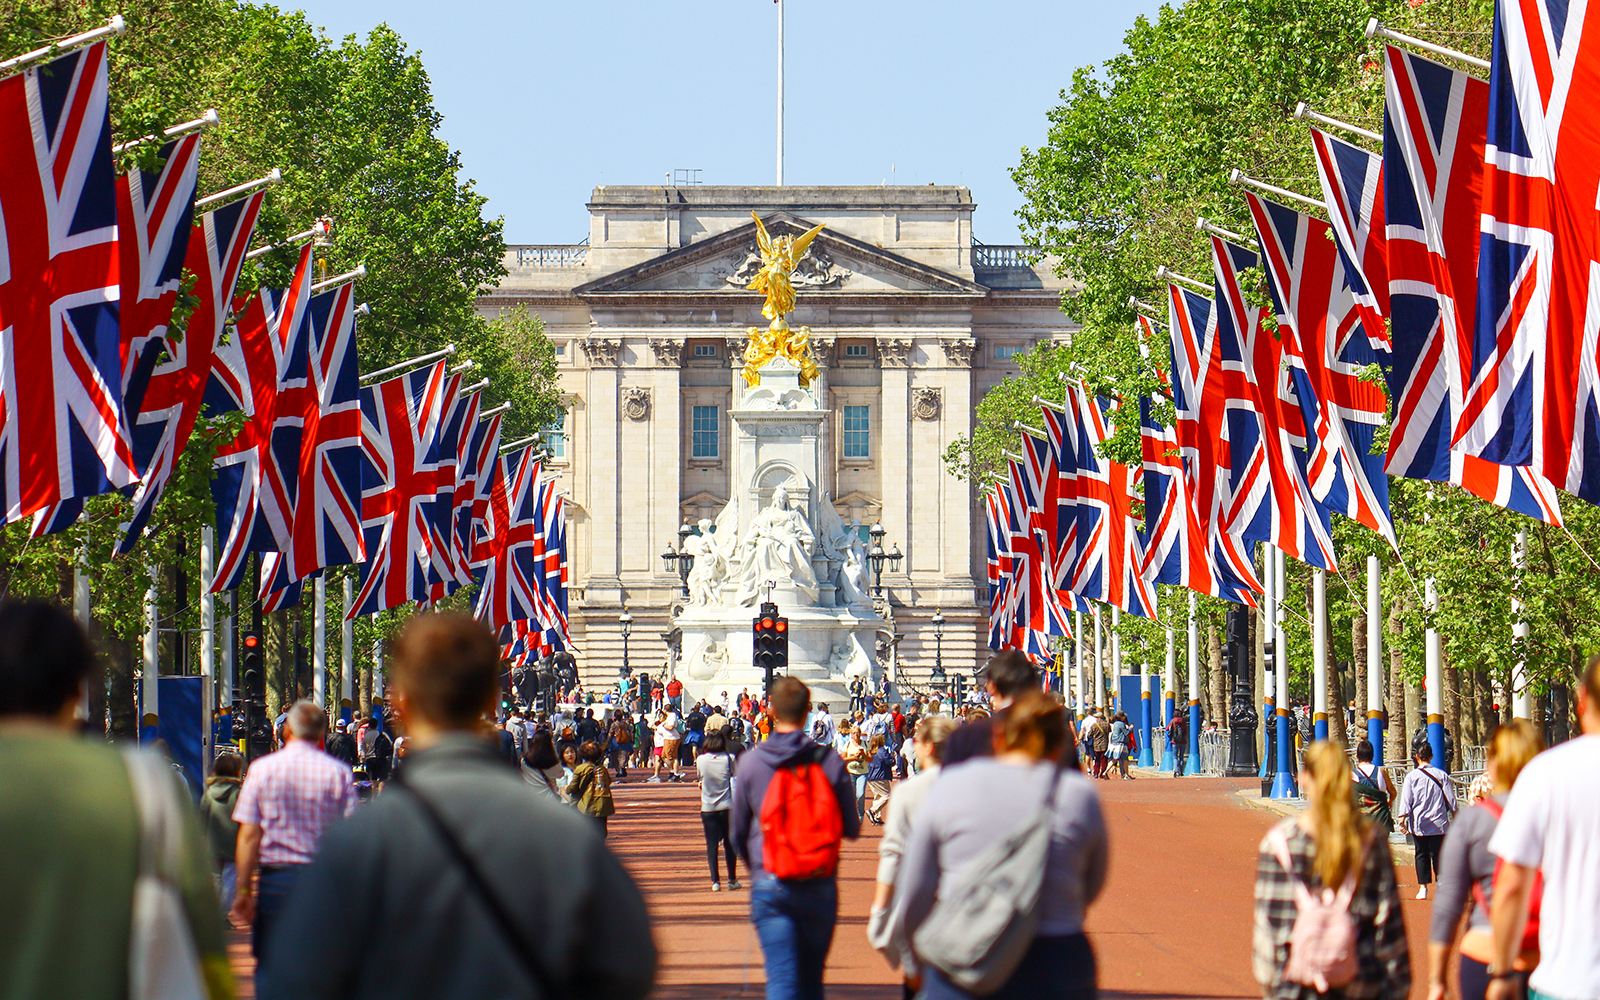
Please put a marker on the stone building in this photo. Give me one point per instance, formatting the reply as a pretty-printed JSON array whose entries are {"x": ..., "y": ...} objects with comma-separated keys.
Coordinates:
[{"x": 911, "y": 321}]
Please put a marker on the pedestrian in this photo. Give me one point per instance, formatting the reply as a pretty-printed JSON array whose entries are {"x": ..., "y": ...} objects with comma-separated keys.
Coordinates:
[
  {"x": 377, "y": 751},
  {"x": 621, "y": 747},
  {"x": 457, "y": 882},
  {"x": 1118, "y": 742},
  {"x": 1329, "y": 845},
  {"x": 1466, "y": 874},
  {"x": 540, "y": 766},
  {"x": 669, "y": 736},
  {"x": 590, "y": 788},
  {"x": 1178, "y": 737},
  {"x": 222, "y": 831},
  {"x": 1007, "y": 674},
  {"x": 73, "y": 813},
  {"x": 927, "y": 744},
  {"x": 1427, "y": 801},
  {"x": 880, "y": 772},
  {"x": 1549, "y": 828},
  {"x": 793, "y": 905},
  {"x": 1420, "y": 737},
  {"x": 715, "y": 767},
  {"x": 1102, "y": 746},
  {"x": 967, "y": 811},
  {"x": 823, "y": 729},
  {"x": 856, "y": 757},
  {"x": 569, "y": 767},
  {"x": 1374, "y": 791},
  {"x": 694, "y": 734},
  {"x": 342, "y": 746},
  {"x": 858, "y": 693},
  {"x": 675, "y": 694}
]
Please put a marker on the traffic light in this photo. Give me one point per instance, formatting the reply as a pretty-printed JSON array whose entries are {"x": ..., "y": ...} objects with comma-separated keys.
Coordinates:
[
  {"x": 257, "y": 728},
  {"x": 771, "y": 644}
]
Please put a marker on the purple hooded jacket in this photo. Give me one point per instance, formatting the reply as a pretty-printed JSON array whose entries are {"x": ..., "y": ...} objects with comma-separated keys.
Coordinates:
[{"x": 753, "y": 771}]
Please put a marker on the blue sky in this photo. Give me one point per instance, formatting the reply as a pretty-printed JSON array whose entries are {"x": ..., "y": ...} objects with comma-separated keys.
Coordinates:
[{"x": 547, "y": 100}]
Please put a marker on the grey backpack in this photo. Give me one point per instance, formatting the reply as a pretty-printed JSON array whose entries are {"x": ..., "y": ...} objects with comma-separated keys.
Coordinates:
[{"x": 984, "y": 922}]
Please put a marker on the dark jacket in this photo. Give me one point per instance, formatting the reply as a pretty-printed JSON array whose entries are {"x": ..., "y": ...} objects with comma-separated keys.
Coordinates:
[
  {"x": 881, "y": 766},
  {"x": 342, "y": 746},
  {"x": 384, "y": 911},
  {"x": 754, "y": 770},
  {"x": 976, "y": 739},
  {"x": 216, "y": 809}
]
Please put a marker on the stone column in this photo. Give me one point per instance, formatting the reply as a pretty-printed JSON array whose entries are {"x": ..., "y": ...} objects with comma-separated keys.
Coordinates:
[
  {"x": 894, "y": 462},
  {"x": 602, "y": 466}
]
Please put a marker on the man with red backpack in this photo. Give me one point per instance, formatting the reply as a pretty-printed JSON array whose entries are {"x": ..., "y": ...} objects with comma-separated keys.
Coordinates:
[{"x": 793, "y": 803}]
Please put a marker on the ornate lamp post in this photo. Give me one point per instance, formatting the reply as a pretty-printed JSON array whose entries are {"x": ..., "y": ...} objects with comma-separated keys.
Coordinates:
[
  {"x": 877, "y": 557},
  {"x": 680, "y": 558},
  {"x": 938, "y": 641},
  {"x": 625, "y": 621}
]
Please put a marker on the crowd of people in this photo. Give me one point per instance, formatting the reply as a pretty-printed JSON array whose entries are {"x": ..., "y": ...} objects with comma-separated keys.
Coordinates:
[{"x": 447, "y": 848}]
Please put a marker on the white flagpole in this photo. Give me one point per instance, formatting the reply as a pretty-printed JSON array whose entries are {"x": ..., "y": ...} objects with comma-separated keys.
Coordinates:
[
  {"x": 150, "y": 687},
  {"x": 1169, "y": 696},
  {"x": 1194, "y": 685},
  {"x": 1433, "y": 675},
  {"x": 347, "y": 653},
  {"x": 319, "y": 642},
  {"x": 780, "y": 93},
  {"x": 1319, "y": 654},
  {"x": 448, "y": 350},
  {"x": 1375, "y": 670},
  {"x": 1521, "y": 705},
  {"x": 225, "y": 676},
  {"x": 1116, "y": 654},
  {"x": 1099, "y": 659},
  {"x": 115, "y": 27},
  {"x": 208, "y": 645},
  {"x": 80, "y": 611}
]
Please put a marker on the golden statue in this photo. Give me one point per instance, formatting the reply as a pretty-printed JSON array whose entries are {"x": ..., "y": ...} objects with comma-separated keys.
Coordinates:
[{"x": 779, "y": 257}]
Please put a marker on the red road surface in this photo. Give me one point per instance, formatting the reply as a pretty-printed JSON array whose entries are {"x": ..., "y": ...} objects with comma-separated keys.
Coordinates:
[{"x": 1174, "y": 920}]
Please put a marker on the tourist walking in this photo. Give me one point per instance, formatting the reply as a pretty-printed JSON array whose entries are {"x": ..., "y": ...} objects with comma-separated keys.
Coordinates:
[
  {"x": 73, "y": 812},
  {"x": 1466, "y": 874},
  {"x": 289, "y": 799},
  {"x": 342, "y": 746},
  {"x": 1178, "y": 738},
  {"x": 1549, "y": 828},
  {"x": 1427, "y": 801},
  {"x": 1329, "y": 845},
  {"x": 928, "y": 743},
  {"x": 823, "y": 729},
  {"x": 794, "y": 898},
  {"x": 952, "y": 843},
  {"x": 222, "y": 830},
  {"x": 880, "y": 773},
  {"x": 540, "y": 766},
  {"x": 621, "y": 745},
  {"x": 715, "y": 767},
  {"x": 590, "y": 788},
  {"x": 669, "y": 736},
  {"x": 1374, "y": 791},
  {"x": 456, "y": 882},
  {"x": 1101, "y": 742},
  {"x": 856, "y": 757},
  {"x": 1118, "y": 743}
]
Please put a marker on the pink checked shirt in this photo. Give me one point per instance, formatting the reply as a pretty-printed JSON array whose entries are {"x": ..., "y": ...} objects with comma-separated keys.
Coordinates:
[{"x": 293, "y": 795}]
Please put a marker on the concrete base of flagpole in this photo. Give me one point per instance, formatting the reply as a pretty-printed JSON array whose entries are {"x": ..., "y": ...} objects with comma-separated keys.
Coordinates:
[
  {"x": 1319, "y": 727},
  {"x": 1194, "y": 740},
  {"x": 1284, "y": 783},
  {"x": 1375, "y": 737},
  {"x": 1146, "y": 736},
  {"x": 1267, "y": 714}
]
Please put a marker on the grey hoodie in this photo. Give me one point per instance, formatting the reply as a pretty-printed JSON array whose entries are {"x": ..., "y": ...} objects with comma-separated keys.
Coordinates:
[{"x": 754, "y": 769}]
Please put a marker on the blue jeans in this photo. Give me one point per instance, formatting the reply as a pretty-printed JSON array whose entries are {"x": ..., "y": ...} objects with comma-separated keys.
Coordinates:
[
  {"x": 271, "y": 895},
  {"x": 860, "y": 783},
  {"x": 794, "y": 919}
]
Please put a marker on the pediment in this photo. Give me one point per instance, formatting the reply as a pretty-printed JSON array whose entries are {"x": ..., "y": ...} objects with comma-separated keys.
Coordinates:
[{"x": 725, "y": 264}]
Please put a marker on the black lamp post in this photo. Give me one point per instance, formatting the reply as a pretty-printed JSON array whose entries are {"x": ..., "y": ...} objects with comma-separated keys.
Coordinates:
[
  {"x": 938, "y": 641},
  {"x": 877, "y": 557},
  {"x": 625, "y": 620},
  {"x": 1242, "y": 716},
  {"x": 680, "y": 558}
]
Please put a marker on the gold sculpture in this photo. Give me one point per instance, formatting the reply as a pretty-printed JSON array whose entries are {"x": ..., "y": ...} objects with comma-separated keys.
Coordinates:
[{"x": 779, "y": 257}]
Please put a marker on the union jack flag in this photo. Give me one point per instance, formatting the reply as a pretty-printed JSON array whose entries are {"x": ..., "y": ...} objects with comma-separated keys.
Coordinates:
[
  {"x": 171, "y": 407},
  {"x": 400, "y": 423},
  {"x": 1269, "y": 499},
  {"x": 462, "y": 434},
  {"x": 1040, "y": 524},
  {"x": 155, "y": 211},
  {"x": 1531, "y": 376},
  {"x": 1061, "y": 514},
  {"x": 262, "y": 372},
  {"x": 327, "y": 511},
  {"x": 1111, "y": 563},
  {"x": 278, "y": 589},
  {"x": 62, "y": 430},
  {"x": 1029, "y": 599},
  {"x": 1321, "y": 330},
  {"x": 442, "y": 569},
  {"x": 1352, "y": 190},
  {"x": 998, "y": 553},
  {"x": 1178, "y": 548},
  {"x": 553, "y": 584},
  {"x": 515, "y": 569},
  {"x": 1433, "y": 153},
  {"x": 485, "y": 522}
]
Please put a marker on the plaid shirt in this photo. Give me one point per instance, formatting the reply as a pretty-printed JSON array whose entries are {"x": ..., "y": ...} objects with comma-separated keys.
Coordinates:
[
  {"x": 293, "y": 795},
  {"x": 1381, "y": 950}
]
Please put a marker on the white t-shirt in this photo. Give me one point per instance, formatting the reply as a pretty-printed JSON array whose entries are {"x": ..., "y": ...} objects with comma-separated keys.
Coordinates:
[
  {"x": 1374, "y": 774},
  {"x": 1552, "y": 822}
]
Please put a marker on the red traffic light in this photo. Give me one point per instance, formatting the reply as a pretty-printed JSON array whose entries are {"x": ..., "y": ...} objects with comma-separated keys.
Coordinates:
[
  {"x": 781, "y": 625},
  {"x": 766, "y": 623},
  {"x": 251, "y": 641}
]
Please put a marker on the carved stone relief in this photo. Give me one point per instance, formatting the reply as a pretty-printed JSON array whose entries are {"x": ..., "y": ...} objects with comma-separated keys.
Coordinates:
[
  {"x": 736, "y": 346},
  {"x": 959, "y": 352},
  {"x": 895, "y": 353},
  {"x": 925, "y": 402},
  {"x": 669, "y": 353},
  {"x": 822, "y": 351},
  {"x": 635, "y": 402},
  {"x": 601, "y": 353},
  {"x": 815, "y": 270}
]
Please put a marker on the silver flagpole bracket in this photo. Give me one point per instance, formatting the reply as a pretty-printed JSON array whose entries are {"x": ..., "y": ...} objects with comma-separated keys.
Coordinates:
[
  {"x": 205, "y": 121},
  {"x": 1150, "y": 311},
  {"x": 1018, "y": 425},
  {"x": 342, "y": 279},
  {"x": 1303, "y": 110},
  {"x": 1375, "y": 29},
  {"x": 272, "y": 177},
  {"x": 502, "y": 408},
  {"x": 116, "y": 26},
  {"x": 448, "y": 350},
  {"x": 1243, "y": 179},
  {"x": 1164, "y": 273},
  {"x": 1052, "y": 404},
  {"x": 1205, "y": 225}
]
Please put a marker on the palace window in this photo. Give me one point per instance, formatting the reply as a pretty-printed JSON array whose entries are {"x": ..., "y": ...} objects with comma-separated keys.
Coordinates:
[
  {"x": 1005, "y": 352},
  {"x": 554, "y": 437},
  {"x": 561, "y": 350},
  {"x": 857, "y": 431},
  {"x": 705, "y": 350},
  {"x": 855, "y": 350},
  {"x": 703, "y": 429}
]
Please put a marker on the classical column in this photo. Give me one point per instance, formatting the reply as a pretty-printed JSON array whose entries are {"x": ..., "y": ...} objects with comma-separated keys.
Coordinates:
[{"x": 894, "y": 460}]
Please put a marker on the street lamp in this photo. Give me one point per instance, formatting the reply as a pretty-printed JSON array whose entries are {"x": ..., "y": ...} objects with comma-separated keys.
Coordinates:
[
  {"x": 625, "y": 620},
  {"x": 938, "y": 641},
  {"x": 877, "y": 557},
  {"x": 680, "y": 558}
]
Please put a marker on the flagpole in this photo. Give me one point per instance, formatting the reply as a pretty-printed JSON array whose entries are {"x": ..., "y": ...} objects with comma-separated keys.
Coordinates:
[
  {"x": 347, "y": 654},
  {"x": 208, "y": 645},
  {"x": 205, "y": 121},
  {"x": 1099, "y": 691},
  {"x": 342, "y": 279},
  {"x": 780, "y": 93},
  {"x": 1319, "y": 654},
  {"x": 1521, "y": 704},
  {"x": 1434, "y": 677},
  {"x": 377, "y": 677},
  {"x": 1116, "y": 657},
  {"x": 271, "y": 178},
  {"x": 1285, "y": 784},
  {"x": 447, "y": 351},
  {"x": 1194, "y": 686},
  {"x": 1375, "y": 29},
  {"x": 319, "y": 642},
  {"x": 150, "y": 687},
  {"x": 1241, "y": 178},
  {"x": 291, "y": 241},
  {"x": 486, "y": 414},
  {"x": 116, "y": 26},
  {"x": 1169, "y": 697},
  {"x": 80, "y": 611},
  {"x": 1374, "y": 662},
  {"x": 1078, "y": 679},
  {"x": 1302, "y": 110},
  {"x": 1164, "y": 273}
]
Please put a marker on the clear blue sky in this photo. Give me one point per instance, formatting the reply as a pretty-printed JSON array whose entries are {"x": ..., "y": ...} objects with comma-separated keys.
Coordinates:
[{"x": 546, "y": 100}]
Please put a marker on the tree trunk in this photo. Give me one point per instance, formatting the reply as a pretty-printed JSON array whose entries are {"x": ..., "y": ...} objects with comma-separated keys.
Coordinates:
[
  {"x": 1486, "y": 706},
  {"x": 122, "y": 707},
  {"x": 1395, "y": 745},
  {"x": 1216, "y": 677},
  {"x": 1452, "y": 701},
  {"x": 1336, "y": 708},
  {"x": 279, "y": 659}
]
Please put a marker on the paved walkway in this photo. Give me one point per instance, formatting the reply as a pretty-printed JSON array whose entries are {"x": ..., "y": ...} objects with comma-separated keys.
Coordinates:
[{"x": 1174, "y": 920}]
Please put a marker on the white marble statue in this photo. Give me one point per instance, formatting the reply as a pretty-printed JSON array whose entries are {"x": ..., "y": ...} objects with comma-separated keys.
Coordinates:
[
  {"x": 776, "y": 546},
  {"x": 708, "y": 661},
  {"x": 710, "y": 569},
  {"x": 841, "y": 543},
  {"x": 846, "y": 661}
]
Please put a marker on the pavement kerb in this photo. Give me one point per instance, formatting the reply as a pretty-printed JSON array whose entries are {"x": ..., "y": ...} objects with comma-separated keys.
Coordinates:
[{"x": 1404, "y": 853}]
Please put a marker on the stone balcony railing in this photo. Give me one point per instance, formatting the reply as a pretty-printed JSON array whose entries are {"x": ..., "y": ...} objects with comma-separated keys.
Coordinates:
[
  {"x": 547, "y": 255},
  {"x": 1002, "y": 257}
]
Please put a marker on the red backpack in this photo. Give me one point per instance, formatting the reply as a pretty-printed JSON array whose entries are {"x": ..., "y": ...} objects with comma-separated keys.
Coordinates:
[
  {"x": 801, "y": 825},
  {"x": 1530, "y": 933}
]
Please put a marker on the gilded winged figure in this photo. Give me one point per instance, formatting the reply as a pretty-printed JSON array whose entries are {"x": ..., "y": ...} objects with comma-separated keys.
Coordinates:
[{"x": 779, "y": 257}]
